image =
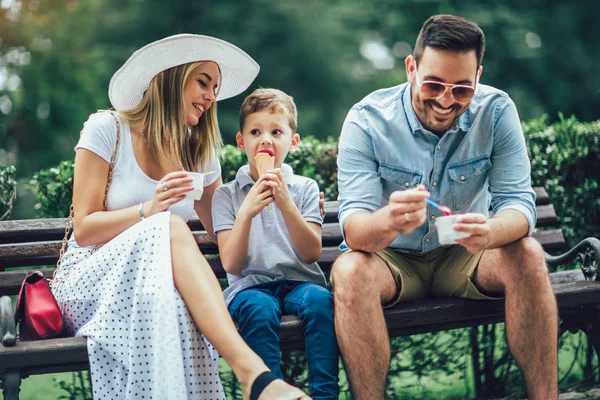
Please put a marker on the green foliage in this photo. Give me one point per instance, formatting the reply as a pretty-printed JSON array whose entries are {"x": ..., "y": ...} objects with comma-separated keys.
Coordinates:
[
  {"x": 424, "y": 356},
  {"x": 317, "y": 160},
  {"x": 565, "y": 157},
  {"x": 79, "y": 388},
  {"x": 8, "y": 190},
  {"x": 313, "y": 158},
  {"x": 231, "y": 159},
  {"x": 314, "y": 52},
  {"x": 53, "y": 188}
]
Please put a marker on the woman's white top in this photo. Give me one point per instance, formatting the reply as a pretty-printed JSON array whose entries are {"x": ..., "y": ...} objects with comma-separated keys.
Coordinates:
[{"x": 130, "y": 185}]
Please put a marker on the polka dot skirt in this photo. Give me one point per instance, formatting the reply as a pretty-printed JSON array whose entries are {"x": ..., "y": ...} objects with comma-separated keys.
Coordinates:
[{"x": 141, "y": 339}]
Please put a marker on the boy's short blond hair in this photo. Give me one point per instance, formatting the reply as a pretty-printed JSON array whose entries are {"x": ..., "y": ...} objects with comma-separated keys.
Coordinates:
[{"x": 271, "y": 99}]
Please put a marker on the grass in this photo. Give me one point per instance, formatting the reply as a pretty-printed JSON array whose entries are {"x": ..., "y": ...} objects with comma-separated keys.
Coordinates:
[{"x": 43, "y": 387}]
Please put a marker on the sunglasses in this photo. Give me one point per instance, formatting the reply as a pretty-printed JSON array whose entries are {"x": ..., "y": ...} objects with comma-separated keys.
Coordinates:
[{"x": 434, "y": 89}]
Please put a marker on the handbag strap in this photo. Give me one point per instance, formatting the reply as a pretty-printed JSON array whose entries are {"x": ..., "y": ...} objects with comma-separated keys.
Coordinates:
[{"x": 108, "y": 182}]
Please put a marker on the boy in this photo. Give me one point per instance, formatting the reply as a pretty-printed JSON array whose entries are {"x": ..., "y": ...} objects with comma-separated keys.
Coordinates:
[{"x": 270, "y": 250}]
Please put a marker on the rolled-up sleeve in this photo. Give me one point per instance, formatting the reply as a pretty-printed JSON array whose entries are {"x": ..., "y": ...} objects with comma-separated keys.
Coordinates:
[
  {"x": 510, "y": 176},
  {"x": 359, "y": 185}
]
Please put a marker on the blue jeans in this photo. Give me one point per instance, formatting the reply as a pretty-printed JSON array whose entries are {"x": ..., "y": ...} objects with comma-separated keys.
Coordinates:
[{"x": 258, "y": 312}]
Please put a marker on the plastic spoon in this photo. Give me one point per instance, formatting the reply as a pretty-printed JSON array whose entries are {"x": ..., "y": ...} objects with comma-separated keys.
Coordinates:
[{"x": 443, "y": 209}]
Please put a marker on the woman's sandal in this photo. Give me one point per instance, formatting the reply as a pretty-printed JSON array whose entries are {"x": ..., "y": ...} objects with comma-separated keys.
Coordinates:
[{"x": 262, "y": 381}]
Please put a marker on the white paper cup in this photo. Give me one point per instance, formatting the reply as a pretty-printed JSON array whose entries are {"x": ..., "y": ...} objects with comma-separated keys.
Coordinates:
[
  {"x": 198, "y": 183},
  {"x": 447, "y": 235}
]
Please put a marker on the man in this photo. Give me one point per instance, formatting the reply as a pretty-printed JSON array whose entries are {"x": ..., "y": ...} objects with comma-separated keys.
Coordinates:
[{"x": 443, "y": 136}]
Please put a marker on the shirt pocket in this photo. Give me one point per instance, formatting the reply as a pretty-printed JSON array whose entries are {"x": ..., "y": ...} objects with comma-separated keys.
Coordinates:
[
  {"x": 400, "y": 178},
  {"x": 466, "y": 180}
]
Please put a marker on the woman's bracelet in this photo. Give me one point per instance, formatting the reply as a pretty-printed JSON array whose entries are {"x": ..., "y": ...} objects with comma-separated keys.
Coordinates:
[{"x": 141, "y": 211}]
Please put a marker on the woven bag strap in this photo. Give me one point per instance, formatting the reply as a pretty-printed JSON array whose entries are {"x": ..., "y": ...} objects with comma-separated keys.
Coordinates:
[{"x": 108, "y": 182}]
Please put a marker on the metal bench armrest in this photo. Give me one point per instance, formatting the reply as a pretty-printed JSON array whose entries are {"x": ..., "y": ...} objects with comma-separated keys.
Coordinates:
[{"x": 587, "y": 251}]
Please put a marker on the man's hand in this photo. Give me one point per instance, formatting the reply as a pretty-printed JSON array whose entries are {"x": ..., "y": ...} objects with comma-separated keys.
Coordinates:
[
  {"x": 477, "y": 225},
  {"x": 407, "y": 209}
]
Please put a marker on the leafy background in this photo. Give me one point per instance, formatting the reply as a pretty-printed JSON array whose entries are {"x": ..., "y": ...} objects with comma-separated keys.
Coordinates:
[{"x": 57, "y": 57}]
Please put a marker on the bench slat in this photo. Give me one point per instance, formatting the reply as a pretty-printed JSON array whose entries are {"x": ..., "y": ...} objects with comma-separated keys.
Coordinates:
[
  {"x": 429, "y": 315},
  {"x": 10, "y": 281},
  {"x": 546, "y": 216},
  {"x": 46, "y": 252},
  {"x": 541, "y": 196},
  {"x": 435, "y": 315},
  {"x": 35, "y": 230},
  {"x": 552, "y": 240}
]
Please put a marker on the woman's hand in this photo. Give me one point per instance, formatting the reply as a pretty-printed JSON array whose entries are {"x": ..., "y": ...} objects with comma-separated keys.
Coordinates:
[
  {"x": 171, "y": 189},
  {"x": 258, "y": 198}
]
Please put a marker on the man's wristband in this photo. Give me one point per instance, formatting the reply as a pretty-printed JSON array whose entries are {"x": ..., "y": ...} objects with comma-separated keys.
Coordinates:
[{"x": 141, "y": 211}]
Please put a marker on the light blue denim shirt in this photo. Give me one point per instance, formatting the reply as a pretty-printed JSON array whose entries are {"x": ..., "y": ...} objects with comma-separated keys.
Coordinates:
[{"x": 479, "y": 162}]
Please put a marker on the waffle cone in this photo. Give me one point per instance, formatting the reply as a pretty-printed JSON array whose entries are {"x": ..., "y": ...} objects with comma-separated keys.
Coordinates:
[{"x": 264, "y": 162}]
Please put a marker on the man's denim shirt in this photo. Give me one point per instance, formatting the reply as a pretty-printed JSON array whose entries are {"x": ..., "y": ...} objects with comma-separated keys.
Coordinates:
[{"x": 480, "y": 162}]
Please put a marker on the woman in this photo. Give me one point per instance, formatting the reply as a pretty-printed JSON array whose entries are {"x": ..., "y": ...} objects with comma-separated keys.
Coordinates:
[{"x": 133, "y": 280}]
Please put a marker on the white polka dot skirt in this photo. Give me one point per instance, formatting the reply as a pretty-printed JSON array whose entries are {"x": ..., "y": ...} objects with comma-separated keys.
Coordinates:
[{"x": 141, "y": 339}]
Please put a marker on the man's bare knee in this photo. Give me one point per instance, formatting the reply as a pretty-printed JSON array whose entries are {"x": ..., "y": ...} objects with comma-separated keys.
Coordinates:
[
  {"x": 524, "y": 260},
  {"x": 356, "y": 277}
]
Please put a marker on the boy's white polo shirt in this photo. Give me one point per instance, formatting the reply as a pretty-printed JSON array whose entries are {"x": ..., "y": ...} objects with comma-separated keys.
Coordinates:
[{"x": 271, "y": 254}]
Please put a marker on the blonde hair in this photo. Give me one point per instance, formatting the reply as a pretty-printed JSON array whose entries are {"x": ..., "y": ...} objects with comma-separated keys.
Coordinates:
[
  {"x": 272, "y": 99},
  {"x": 161, "y": 116}
]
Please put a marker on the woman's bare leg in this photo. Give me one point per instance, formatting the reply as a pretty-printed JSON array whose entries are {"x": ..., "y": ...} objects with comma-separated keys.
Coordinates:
[{"x": 201, "y": 292}]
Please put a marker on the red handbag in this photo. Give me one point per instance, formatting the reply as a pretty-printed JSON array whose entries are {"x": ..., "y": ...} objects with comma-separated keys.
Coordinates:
[{"x": 37, "y": 313}]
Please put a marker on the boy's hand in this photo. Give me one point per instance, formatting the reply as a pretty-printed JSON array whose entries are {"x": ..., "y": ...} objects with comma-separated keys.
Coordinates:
[
  {"x": 258, "y": 198},
  {"x": 279, "y": 189}
]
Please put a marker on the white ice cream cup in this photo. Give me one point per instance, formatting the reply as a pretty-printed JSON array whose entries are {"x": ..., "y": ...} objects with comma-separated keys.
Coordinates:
[
  {"x": 198, "y": 183},
  {"x": 447, "y": 235}
]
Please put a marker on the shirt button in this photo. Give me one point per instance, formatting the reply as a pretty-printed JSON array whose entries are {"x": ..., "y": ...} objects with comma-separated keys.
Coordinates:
[
  {"x": 433, "y": 217},
  {"x": 407, "y": 184},
  {"x": 427, "y": 240},
  {"x": 439, "y": 147},
  {"x": 434, "y": 184},
  {"x": 462, "y": 178}
]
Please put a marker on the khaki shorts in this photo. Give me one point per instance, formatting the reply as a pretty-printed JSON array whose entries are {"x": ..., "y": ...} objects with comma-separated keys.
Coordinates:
[{"x": 443, "y": 272}]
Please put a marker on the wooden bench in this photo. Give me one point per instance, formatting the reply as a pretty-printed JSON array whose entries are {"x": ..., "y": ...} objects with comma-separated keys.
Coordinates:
[{"x": 36, "y": 243}]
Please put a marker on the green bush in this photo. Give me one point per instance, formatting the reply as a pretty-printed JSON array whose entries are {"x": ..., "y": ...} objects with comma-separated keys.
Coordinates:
[
  {"x": 317, "y": 160},
  {"x": 8, "y": 190},
  {"x": 312, "y": 158},
  {"x": 53, "y": 188},
  {"x": 565, "y": 157}
]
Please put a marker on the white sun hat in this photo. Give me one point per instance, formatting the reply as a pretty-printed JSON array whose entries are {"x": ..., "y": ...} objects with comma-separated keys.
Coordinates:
[{"x": 128, "y": 84}]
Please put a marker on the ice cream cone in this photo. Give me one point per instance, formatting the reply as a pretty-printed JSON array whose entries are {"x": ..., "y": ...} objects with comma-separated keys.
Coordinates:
[{"x": 264, "y": 162}]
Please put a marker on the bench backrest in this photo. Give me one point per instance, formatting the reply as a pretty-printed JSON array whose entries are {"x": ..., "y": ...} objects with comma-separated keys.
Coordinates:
[{"x": 36, "y": 242}]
